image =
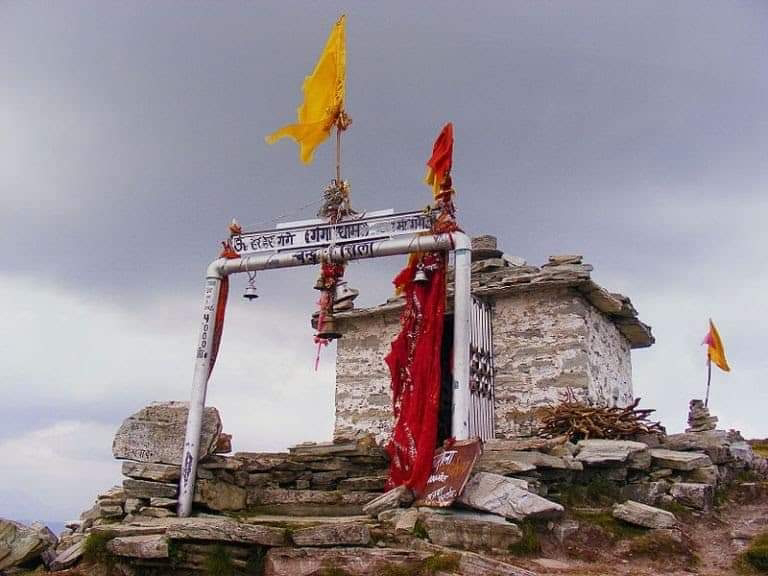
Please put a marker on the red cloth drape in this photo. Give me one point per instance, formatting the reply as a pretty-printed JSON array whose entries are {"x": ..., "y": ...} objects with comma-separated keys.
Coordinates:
[
  {"x": 221, "y": 306},
  {"x": 414, "y": 364}
]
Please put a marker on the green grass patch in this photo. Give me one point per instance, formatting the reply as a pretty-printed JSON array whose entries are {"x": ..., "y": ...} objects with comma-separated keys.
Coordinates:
[
  {"x": 605, "y": 520},
  {"x": 760, "y": 447},
  {"x": 529, "y": 543},
  {"x": 599, "y": 491},
  {"x": 757, "y": 553},
  {"x": 95, "y": 550},
  {"x": 420, "y": 531},
  {"x": 219, "y": 563}
]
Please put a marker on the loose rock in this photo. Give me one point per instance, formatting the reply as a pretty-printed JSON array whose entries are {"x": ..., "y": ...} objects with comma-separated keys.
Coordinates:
[
  {"x": 644, "y": 515},
  {"x": 496, "y": 494}
]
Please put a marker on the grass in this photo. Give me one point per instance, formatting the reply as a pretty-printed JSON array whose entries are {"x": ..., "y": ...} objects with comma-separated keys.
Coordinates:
[
  {"x": 597, "y": 492},
  {"x": 428, "y": 567},
  {"x": 605, "y": 520},
  {"x": 95, "y": 550},
  {"x": 219, "y": 563},
  {"x": 529, "y": 542},
  {"x": 420, "y": 531},
  {"x": 757, "y": 553},
  {"x": 760, "y": 447}
]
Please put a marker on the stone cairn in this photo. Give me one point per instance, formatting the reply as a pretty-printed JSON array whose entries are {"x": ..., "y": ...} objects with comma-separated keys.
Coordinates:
[
  {"x": 321, "y": 507},
  {"x": 699, "y": 419}
]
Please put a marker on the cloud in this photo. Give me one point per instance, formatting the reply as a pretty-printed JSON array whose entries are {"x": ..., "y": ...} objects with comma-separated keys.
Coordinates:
[{"x": 75, "y": 368}]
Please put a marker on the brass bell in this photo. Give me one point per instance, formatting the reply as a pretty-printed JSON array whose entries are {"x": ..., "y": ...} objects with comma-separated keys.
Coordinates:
[
  {"x": 344, "y": 296},
  {"x": 328, "y": 329},
  {"x": 421, "y": 275}
]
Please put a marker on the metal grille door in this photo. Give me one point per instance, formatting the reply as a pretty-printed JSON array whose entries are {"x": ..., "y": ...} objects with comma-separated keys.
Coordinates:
[{"x": 481, "y": 371}]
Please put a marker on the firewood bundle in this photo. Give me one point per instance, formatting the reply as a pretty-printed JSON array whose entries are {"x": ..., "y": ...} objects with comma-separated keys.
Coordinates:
[{"x": 579, "y": 421}]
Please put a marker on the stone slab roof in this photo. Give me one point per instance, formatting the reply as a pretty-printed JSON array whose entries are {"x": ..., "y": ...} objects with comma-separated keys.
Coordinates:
[{"x": 505, "y": 275}]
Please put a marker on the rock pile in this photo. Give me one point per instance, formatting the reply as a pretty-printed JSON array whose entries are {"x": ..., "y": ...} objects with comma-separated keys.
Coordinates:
[
  {"x": 699, "y": 419},
  {"x": 321, "y": 507}
]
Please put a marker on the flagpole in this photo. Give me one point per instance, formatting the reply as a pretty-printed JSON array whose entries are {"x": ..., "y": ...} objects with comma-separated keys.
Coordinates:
[
  {"x": 338, "y": 152},
  {"x": 709, "y": 379}
]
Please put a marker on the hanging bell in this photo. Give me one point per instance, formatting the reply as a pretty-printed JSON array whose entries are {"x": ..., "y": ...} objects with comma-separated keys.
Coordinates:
[
  {"x": 328, "y": 330},
  {"x": 344, "y": 296},
  {"x": 250, "y": 292},
  {"x": 421, "y": 275}
]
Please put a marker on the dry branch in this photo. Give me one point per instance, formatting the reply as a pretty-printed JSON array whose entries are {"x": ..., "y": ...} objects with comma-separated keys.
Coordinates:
[{"x": 579, "y": 421}]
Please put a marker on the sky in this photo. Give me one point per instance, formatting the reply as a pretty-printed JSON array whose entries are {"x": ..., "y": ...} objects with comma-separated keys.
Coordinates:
[{"x": 634, "y": 133}]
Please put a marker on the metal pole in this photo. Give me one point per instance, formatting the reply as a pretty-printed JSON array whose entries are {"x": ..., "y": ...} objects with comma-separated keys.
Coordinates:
[
  {"x": 461, "y": 315},
  {"x": 709, "y": 379},
  {"x": 197, "y": 402}
]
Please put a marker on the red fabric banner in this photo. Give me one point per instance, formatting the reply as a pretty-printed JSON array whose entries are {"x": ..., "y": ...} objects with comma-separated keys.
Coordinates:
[
  {"x": 414, "y": 364},
  {"x": 221, "y": 306}
]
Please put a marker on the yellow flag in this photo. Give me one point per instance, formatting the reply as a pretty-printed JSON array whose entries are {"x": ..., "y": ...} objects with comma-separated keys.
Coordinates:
[
  {"x": 323, "y": 97},
  {"x": 715, "y": 348}
]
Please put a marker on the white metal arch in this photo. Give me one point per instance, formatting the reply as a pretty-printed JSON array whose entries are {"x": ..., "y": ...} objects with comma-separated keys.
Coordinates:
[{"x": 457, "y": 242}]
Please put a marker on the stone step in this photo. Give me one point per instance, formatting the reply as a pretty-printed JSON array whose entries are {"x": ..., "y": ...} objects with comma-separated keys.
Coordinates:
[{"x": 348, "y": 561}]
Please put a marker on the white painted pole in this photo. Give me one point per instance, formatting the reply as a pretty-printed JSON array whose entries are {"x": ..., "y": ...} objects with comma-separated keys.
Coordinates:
[
  {"x": 199, "y": 388},
  {"x": 461, "y": 320}
]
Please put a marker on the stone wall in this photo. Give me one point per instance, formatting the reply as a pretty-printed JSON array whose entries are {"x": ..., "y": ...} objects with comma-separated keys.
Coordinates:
[
  {"x": 363, "y": 396},
  {"x": 548, "y": 341},
  {"x": 610, "y": 361},
  {"x": 554, "y": 330}
]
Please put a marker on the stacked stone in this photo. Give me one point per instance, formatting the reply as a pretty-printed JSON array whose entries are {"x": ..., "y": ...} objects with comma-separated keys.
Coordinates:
[{"x": 699, "y": 419}]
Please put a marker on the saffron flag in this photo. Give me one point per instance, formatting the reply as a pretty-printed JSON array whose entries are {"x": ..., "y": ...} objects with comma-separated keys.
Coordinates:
[
  {"x": 439, "y": 164},
  {"x": 715, "y": 349},
  {"x": 323, "y": 97}
]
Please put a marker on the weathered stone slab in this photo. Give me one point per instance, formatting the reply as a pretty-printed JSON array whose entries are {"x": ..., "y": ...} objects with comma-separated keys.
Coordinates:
[
  {"x": 395, "y": 498},
  {"x": 226, "y": 530},
  {"x": 523, "y": 444},
  {"x": 470, "y": 530},
  {"x": 163, "y": 502},
  {"x": 704, "y": 475},
  {"x": 611, "y": 452},
  {"x": 219, "y": 496},
  {"x": 496, "y": 494},
  {"x": 151, "y": 471},
  {"x": 405, "y": 523},
  {"x": 644, "y": 515},
  {"x": 151, "y": 546},
  {"x": 156, "y": 433},
  {"x": 146, "y": 489},
  {"x": 472, "y": 564},
  {"x": 675, "y": 460},
  {"x": 348, "y": 561},
  {"x": 645, "y": 492},
  {"x": 122, "y": 530},
  {"x": 694, "y": 495},
  {"x": 20, "y": 543},
  {"x": 67, "y": 557},
  {"x": 152, "y": 512},
  {"x": 109, "y": 511},
  {"x": 350, "y": 534},
  {"x": 303, "y": 521},
  {"x": 364, "y": 484}
]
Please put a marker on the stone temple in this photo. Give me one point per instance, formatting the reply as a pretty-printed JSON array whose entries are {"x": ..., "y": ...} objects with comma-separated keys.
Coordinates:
[{"x": 553, "y": 330}]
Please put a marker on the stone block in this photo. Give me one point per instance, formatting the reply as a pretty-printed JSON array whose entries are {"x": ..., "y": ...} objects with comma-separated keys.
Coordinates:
[
  {"x": 675, "y": 460},
  {"x": 156, "y": 433},
  {"x": 693, "y": 495},
  {"x": 348, "y": 561},
  {"x": 644, "y": 515},
  {"x": 496, "y": 494},
  {"x": 221, "y": 529},
  {"x": 151, "y": 471},
  {"x": 350, "y": 534},
  {"x": 704, "y": 475},
  {"x": 645, "y": 492},
  {"x": 220, "y": 496},
  {"x": 470, "y": 531},
  {"x": 67, "y": 557},
  {"x": 395, "y": 498},
  {"x": 146, "y": 489},
  {"x": 612, "y": 452},
  {"x": 145, "y": 547}
]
